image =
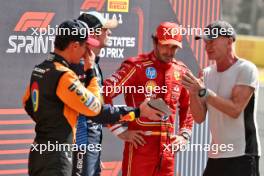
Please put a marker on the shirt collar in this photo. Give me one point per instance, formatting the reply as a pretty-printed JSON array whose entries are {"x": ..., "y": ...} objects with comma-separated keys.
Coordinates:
[{"x": 58, "y": 58}]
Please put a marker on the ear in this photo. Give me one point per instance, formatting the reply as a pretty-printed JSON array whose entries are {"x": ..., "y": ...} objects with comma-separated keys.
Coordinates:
[
  {"x": 95, "y": 36},
  {"x": 230, "y": 41},
  {"x": 154, "y": 43},
  {"x": 75, "y": 44}
]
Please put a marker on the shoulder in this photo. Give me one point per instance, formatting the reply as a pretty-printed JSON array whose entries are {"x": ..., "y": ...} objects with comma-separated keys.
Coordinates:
[
  {"x": 140, "y": 60},
  {"x": 61, "y": 68},
  {"x": 67, "y": 72},
  {"x": 246, "y": 65},
  {"x": 209, "y": 69},
  {"x": 179, "y": 64}
]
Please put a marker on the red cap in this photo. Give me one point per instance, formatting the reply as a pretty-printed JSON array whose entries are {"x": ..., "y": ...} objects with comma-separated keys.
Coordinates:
[
  {"x": 93, "y": 42},
  {"x": 169, "y": 33}
]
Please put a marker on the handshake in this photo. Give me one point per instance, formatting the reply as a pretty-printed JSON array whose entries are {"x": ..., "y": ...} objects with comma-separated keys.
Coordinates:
[{"x": 155, "y": 109}]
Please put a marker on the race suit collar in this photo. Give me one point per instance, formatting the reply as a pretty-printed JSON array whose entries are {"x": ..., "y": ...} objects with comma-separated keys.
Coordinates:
[
  {"x": 58, "y": 58},
  {"x": 160, "y": 63},
  {"x": 97, "y": 59}
]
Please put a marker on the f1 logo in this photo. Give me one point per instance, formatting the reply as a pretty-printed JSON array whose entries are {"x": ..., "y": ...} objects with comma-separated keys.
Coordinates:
[
  {"x": 97, "y": 4},
  {"x": 34, "y": 20}
]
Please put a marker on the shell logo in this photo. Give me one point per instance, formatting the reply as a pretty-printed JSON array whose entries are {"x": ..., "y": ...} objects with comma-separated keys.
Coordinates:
[
  {"x": 150, "y": 86},
  {"x": 177, "y": 75}
]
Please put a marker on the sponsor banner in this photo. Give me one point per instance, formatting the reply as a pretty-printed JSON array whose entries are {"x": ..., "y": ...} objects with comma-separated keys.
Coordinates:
[
  {"x": 118, "y": 5},
  {"x": 124, "y": 40}
]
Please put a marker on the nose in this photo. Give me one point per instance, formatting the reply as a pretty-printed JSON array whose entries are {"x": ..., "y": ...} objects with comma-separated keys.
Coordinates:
[
  {"x": 109, "y": 32},
  {"x": 172, "y": 50},
  {"x": 208, "y": 45}
]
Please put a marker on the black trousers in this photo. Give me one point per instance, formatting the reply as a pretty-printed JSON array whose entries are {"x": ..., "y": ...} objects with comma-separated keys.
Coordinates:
[
  {"x": 50, "y": 163},
  {"x": 237, "y": 166}
]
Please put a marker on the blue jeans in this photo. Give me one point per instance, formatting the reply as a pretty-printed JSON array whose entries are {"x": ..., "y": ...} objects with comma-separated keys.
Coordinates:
[{"x": 88, "y": 134}]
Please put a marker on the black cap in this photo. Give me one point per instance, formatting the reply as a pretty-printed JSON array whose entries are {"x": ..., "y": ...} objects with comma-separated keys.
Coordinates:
[
  {"x": 216, "y": 29},
  {"x": 95, "y": 19},
  {"x": 75, "y": 30}
]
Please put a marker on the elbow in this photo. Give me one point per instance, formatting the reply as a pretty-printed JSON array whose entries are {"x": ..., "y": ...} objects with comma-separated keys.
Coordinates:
[
  {"x": 235, "y": 114},
  {"x": 198, "y": 119},
  {"x": 95, "y": 108},
  {"x": 98, "y": 110}
]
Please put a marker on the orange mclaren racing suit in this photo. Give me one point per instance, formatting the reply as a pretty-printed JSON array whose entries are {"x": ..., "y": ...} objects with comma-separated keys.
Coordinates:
[
  {"x": 53, "y": 100},
  {"x": 141, "y": 77}
]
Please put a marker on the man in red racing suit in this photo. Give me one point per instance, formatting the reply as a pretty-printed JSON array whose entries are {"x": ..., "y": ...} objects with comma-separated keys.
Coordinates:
[{"x": 155, "y": 75}]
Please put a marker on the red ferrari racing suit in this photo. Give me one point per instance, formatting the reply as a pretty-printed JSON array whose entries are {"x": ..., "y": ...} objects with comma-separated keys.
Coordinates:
[{"x": 145, "y": 76}]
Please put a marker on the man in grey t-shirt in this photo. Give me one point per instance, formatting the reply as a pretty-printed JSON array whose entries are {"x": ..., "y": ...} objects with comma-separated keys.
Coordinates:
[{"x": 227, "y": 92}]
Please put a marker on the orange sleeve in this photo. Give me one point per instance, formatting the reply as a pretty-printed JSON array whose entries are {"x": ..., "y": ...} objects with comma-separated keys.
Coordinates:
[
  {"x": 26, "y": 96},
  {"x": 72, "y": 92},
  {"x": 93, "y": 87},
  {"x": 124, "y": 76}
]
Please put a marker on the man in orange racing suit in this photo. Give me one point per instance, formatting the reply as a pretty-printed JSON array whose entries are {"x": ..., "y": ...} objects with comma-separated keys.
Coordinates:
[
  {"x": 159, "y": 74},
  {"x": 55, "y": 96}
]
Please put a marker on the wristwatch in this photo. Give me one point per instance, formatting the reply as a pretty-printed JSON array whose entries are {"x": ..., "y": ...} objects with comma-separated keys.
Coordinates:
[
  {"x": 203, "y": 93},
  {"x": 186, "y": 136}
]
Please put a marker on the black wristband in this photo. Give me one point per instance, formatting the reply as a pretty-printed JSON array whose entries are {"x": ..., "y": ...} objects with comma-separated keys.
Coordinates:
[
  {"x": 203, "y": 93},
  {"x": 90, "y": 73},
  {"x": 137, "y": 112},
  {"x": 186, "y": 136}
]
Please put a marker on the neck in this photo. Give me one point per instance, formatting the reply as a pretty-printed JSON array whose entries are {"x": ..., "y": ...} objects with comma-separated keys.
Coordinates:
[
  {"x": 157, "y": 57},
  {"x": 64, "y": 54},
  {"x": 96, "y": 51},
  {"x": 225, "y": 62}
]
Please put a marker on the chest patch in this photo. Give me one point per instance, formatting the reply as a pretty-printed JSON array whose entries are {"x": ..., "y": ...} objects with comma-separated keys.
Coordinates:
[{"x": 151, "y": 72}]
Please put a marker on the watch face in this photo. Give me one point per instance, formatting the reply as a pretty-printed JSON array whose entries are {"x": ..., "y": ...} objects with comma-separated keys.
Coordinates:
[
  {"x": 202, "y": 92},
  {"x": 186, "y": 136}
]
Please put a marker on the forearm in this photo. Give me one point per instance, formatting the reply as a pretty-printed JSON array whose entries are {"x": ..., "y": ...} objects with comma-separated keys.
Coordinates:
[
  {"x": 110, "y": 114},
  {"x": 117, "y": 129},
  {"x": 198, "y": 108}
]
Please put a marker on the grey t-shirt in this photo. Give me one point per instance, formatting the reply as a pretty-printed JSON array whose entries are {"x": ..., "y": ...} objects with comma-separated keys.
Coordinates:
[{"x": 233, "y": 137}]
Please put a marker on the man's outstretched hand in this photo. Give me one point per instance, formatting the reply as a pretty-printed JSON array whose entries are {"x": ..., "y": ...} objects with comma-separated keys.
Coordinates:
[
  {"x": 136, "y": 137},
  {"x": 148, "y": 112}
]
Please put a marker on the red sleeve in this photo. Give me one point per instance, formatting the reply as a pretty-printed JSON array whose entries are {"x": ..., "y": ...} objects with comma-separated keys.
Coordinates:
[
  {"x": 186, "y": 119},
  {"x": 124, "y": 76}
]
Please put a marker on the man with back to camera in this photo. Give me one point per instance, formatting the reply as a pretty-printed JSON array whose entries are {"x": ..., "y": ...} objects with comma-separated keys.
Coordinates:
[
  {"x": 159, "y": 73},
  {"x": 228, "y": 93},
  {"x": 89, "y": 132},
  {"x": 55, "y": 96}
]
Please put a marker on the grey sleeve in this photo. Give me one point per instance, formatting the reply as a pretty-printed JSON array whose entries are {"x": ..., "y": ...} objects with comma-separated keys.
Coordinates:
[{"x": 248, "y": 75}]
